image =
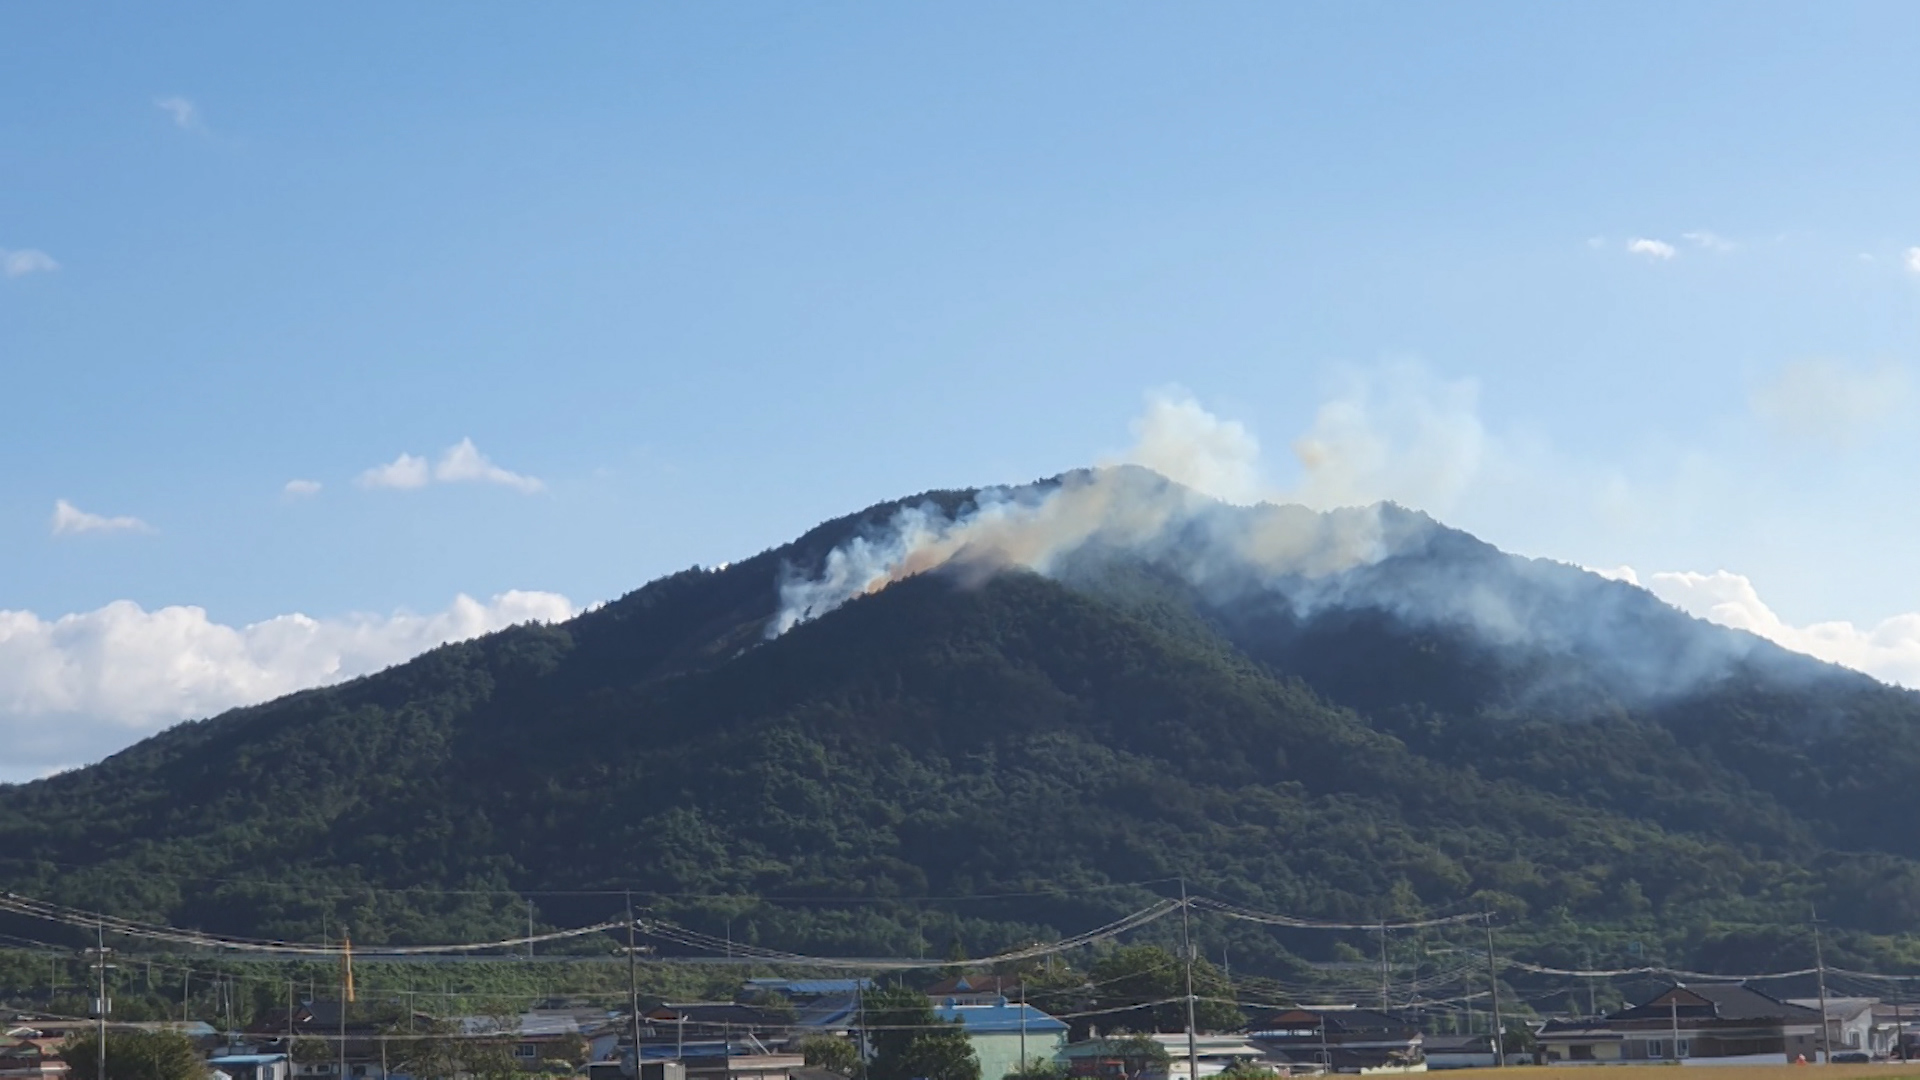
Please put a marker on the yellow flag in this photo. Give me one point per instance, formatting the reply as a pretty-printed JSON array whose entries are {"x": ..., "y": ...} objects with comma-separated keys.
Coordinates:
[{"x": 346, "y": 961}]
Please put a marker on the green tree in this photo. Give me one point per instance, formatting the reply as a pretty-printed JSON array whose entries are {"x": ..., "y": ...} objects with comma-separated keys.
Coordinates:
[
  {"x": 1039, "y": 1069},
  {"x": 1137, "y": 1053},
  {"x": 133, "y": 1055},
  {"x": 911, "y": 1043},
  {"x": 827, "y": 1052},
  {"x": 1145, "y": 987}
]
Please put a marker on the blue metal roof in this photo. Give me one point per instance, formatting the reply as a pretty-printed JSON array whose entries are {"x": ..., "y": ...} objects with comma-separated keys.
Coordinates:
[
  {"x": 247, "y": 1059},
  {"x": 1003, "y": 1017},
  {"x": 792, "y": 987}
]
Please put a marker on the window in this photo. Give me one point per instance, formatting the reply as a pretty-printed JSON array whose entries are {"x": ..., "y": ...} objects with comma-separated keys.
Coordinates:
[
  {"x": 525, "y": 1051},
  {"x": 1656, "y": 1048},
  {"x": 1684, "y": 1048}
]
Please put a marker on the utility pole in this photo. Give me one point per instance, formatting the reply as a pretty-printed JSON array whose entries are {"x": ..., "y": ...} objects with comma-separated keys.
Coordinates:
[
  {"x": 529, "y": 929},
  {"x": 100, "y": 1003},
  {"x": 633, "y": 985},
  {"x": 1673, "y": 1012},
  {"x": 1186, "y": 941},
  {"x": 1493, "y": 991},
  {"x": 860, "y": 1024},
  {"x": 346, "y": 991},
  {"x": 1820, "y": 970},
  {"x": 1023, "y": 1024},
  {"x": 1383, "y": 966}
]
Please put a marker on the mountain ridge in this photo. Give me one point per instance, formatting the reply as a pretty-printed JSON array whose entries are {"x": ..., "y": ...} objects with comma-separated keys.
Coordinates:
[{"x": 1135, "y": 711}]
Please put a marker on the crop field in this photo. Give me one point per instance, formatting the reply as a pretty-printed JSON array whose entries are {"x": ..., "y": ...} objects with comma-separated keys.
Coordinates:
[{"x": 1692, "y": 1071}]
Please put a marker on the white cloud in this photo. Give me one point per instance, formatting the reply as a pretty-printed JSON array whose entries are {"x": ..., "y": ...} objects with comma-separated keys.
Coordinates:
[
  {"x": 81, "y": 686},
  {"x": 1912, "y": 259},
  {"x": 69, "y": 520},
  {"x": 301, "y": 488},
  {"x": 1830, "y": 401},
  {"x": 461, "y": 463},
  {"x": 404, "y": 472},
  {"x": 1652, "y": 249},
  {"x": 1701, "y": 238},
  {"x": 1889, "y": 651},
  {"x": 464, "y": 463},
  {"x": 185, "y": 114},
  {"x": 19, "y": 262}
]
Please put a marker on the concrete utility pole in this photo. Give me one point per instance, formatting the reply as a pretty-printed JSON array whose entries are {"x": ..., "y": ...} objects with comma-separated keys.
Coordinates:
[
  {"x": 1825, "y": 1049},
  {"x": 633, "y": 984},
  {"x": 1023, "y": 1025},
  {"x": 346, "y": 991},
  {"x": 1383, "y": 966},
  {"x": 1186, "y": 941},
  {"x": 1493, "y": 991},
  {"x": 100, "y": 1004},
  {"x": 1673, "y": 1013}
]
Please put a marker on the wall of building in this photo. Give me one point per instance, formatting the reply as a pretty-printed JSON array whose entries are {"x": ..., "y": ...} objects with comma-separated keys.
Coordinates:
[{"x": 999, "y": 1052}]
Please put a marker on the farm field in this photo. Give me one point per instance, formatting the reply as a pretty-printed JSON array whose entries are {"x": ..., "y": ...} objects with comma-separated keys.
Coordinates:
[{"x": 1692, "y": 1071}]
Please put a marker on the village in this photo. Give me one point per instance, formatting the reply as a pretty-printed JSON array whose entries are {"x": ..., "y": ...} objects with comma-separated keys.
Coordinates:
[{"x": 780, "y": 1028}]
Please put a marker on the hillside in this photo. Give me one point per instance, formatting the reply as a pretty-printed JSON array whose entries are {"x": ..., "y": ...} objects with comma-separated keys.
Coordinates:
[{"x": 1429, "y": 724}]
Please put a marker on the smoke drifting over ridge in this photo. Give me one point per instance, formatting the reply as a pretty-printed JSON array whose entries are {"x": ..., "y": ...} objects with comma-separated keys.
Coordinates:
[
  {"x": 1182, "y": 503},
  {"x": 1200, "y": 513},
  {"x": 1116, "y": 508}
]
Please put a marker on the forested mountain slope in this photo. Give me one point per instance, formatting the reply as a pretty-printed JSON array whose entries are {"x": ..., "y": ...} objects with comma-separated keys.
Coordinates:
[{"x": 1434, "y": 726}]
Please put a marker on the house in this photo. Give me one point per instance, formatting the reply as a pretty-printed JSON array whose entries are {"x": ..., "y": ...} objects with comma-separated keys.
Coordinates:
[
  {"x": 1340, "y": 1039},
  {"x": 1004, "y": 1035},
  {"x": 29, "y": 1059},
  {"x": 976, "y": 989},
  {"x": 1578, "y": 1042},
  {"x": 1726, "y": 1022},
  {"x": 1901, "y": 1024},
  {"x": 252, "y": 1066},
  {"x": 1850, "y": 1025},
  {"x": 1459, "y": 1051},
  {"x": 544, "y": 1037},
  {"x": 745, "y": 1058},
  {"x": 365, "y": 1048},
  {"x": 801, "y": 990}
]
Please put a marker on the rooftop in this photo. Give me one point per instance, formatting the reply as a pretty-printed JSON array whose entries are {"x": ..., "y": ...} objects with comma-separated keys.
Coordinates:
[{"x": 999, "y": 1017}]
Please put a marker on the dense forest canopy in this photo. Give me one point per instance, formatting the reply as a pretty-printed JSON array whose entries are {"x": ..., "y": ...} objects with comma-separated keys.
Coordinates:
[{"x": 1044, "y": 751}]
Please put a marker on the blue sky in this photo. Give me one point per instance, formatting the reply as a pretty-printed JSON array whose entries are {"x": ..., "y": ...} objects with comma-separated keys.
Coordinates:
[{"x": 694, "y": 278}]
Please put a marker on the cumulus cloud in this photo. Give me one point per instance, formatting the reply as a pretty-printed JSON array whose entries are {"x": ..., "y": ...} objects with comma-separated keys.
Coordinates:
[
  {"x": 464, "y": 463},
  {"x": 1889, "y": 650},
  {"x": 78, "y": 687},
  {"x": 404, "y": 472},
  {"x": 70, "y": 520},
  {"x": 19, "y": 262},
  {"x": 1652, "y": 249},
  {"x": 1830, "y": 401},
  {"x": 186, "y": 115},
  {"x": 1912, "y": 259},
  {"x": 300, "y": 488},
  {"x": 1701, "y": 238},
  {"x": 461, "y": 463}
]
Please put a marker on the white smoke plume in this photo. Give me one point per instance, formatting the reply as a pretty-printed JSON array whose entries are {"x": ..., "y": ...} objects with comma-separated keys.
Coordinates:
[{"x": 1210, "y": 461}]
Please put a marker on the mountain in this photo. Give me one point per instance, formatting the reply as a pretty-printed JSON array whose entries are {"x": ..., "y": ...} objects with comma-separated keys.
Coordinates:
[{"x": 1037, "y": 699}]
